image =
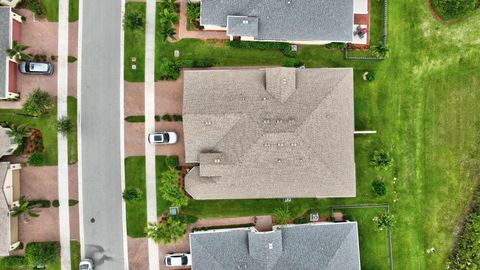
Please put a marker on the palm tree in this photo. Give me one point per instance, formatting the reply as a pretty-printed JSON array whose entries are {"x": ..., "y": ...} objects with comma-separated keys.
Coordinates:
[
  {"x": 168, "y": 32},
  {"x": 16, "y": 52},
  {"x": 18, "y": 132},
  {"x": 25, "y": 209},
  {"x": 168, "y": 17},
  {"x": 381, "y": 49}
]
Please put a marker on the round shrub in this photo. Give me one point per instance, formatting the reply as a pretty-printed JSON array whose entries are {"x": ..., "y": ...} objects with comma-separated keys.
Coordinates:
[
  {"x": 453, "y": 9},
  {"x": 55, "y": 203},
  {"x": 370, "y": 76},
  {"x": 132, "y": 194},
  {"x": 378, "y": 187},
  {"x": 37, "y": 159},
  {"x": 72, "y": 202}
]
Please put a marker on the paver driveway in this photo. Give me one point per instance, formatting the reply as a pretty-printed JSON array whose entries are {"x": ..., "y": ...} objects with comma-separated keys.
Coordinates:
[{"x": 41, "y": 183}]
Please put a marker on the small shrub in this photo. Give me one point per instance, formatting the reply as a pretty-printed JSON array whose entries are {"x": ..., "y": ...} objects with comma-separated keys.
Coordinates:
[
  {"x": 167, "y": 117},
  {"x": 380, "y": 159},
  {"x": 37, "y": 159},
  {"x": 135, "y": 118},
  {"x": 171, "y": 162},
  {"x": 384, "y": 221},
  {"x": 41, "y": 203},
  {"x": 378, "y": 187},
  {"x": 177, "y": 118},
  {"x": 282, "y": 215},
  {"x": 370, "y": 76},
  {"x": 335, "y": 45},
  {"x": 72, "y": 202},
  {"x": 134, "y": 20},
  {"x": 11, "y": 261},
  {"x": 168, "y": 71},
  {"x": 72, "y": 59},
  {"x": 64, "y": 125},
  {"x": 132, "y": 194},
  {"x": 34, "y": 6},
  {"x": 40, "y": 58},
  {"x": 54, "y": 58},
  {"x": 157, "y": 118},
  {"x": 38, "y": 103},
  {"x": 55, "y": 203},
  {"x": 41, "y": 253}
]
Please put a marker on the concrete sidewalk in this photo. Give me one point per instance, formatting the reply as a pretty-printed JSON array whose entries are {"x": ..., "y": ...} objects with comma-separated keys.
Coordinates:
[
  {"x": 62, "y": 93},
  {"x": 153, "y": 257}
]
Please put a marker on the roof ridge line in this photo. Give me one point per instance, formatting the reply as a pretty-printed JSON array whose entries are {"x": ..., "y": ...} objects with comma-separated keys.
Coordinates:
[
  {"x": 341, "y": 245},
  {"x": 209, "y": 253}
]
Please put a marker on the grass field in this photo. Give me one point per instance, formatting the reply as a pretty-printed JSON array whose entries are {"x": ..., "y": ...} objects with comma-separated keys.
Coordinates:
[
  {"x": 46, "y": 124},
  {"x": 424, "y": 105},
  {"x": 52, "y": 10}
]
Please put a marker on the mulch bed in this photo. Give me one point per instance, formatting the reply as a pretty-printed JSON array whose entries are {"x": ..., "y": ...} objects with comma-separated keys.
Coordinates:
[{"x": 33, "y": 143}]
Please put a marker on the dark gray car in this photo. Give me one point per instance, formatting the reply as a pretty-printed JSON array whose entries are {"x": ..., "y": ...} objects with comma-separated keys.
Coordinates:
[{"x": 35, "y": 68}]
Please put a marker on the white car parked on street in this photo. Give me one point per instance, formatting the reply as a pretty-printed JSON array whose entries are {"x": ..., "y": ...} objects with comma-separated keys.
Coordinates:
[
  {"x": 86, "y": 264},
  {"x": 178, "y": 259}
]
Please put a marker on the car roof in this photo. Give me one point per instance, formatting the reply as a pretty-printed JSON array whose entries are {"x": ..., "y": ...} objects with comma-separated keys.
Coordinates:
[{"x": 38, "y": 66}]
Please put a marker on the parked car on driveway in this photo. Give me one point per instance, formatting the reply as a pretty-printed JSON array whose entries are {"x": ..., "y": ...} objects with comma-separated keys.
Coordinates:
[
  {"x": 35, "y": 68},
  {"x": 165, "y": 137},
  {"x": 178, "y": 259},
  {"x": 86, "y": 264}
]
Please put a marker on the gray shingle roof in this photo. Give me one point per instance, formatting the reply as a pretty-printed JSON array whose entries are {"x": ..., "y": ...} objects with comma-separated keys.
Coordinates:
[
  {"x": 4, "y": 141},
  {"x": 311, "y": 246},
  {"x": 5, "y": 22},
  {"x": 4, "y": 214},
  {"x": 269, "y": 133},
  {"x": 242, "y": 26},
  {"x": 287, "y": 20}
]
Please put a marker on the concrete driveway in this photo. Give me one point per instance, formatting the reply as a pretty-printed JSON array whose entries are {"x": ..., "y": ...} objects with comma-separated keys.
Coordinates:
[
  {"x": 42, "y": 37},
  {"x": 41, "y": 183}
]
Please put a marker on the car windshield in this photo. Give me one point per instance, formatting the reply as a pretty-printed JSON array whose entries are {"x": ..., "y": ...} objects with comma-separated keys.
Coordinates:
[
  {"x": 169, "y": 260},
  {"x": 83, "y": 267},
  {"x": 184, "y": 260},
  {"x": 166, "y": 137}
]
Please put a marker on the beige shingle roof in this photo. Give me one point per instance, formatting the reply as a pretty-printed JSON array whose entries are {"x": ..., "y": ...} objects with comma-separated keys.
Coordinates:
[{"x": 269, "y": 133}]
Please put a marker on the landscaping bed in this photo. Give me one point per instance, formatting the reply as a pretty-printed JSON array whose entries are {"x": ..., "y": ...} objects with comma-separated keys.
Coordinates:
[{"x": 46, "y": 125}]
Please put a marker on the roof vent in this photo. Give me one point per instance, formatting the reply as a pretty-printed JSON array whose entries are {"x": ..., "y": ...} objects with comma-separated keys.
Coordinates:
[
  {"x": 264, "y": 98},
  {"x": 280, "y": 144},
  {"x": 245, "y": 21},
  {"x": 217, "y": 160},
  {"x": 266, "y": 121},
  {"x": 279, "y": 121},
  {"x": 293, "y": 144},
  {"x": 266, "y": 144},
  {"x": 208, "y": 123},
  {"x": 270, "y": 245},
  {"x": 279, "y": 160}
]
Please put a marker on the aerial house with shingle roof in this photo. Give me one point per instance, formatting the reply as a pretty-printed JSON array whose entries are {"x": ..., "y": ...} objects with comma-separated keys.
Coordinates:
[
  {"x": 294, "y": 21},
  {"x": 269, "y": 133},
  {"x": 326, "y": 246}
]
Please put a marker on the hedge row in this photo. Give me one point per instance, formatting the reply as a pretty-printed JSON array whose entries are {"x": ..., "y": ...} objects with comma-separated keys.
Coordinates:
[
  {"x": 285, "y": 48},
  {"x": 158, "y": 118}
]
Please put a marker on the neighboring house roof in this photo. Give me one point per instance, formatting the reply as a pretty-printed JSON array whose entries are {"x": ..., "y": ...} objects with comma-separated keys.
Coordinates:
[
  {"x": 269, "y": 133},
  {"x": 287, "y": 20},
  {"x": 5, "y": 141},
  {"x": 4, "y": 214},
  {"x": 325, "y": 246},
  {"x": 5, "y": 39}
]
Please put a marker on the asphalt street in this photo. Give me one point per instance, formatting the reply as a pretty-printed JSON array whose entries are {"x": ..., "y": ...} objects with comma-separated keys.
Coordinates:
[{"x": 101, "y": 159}]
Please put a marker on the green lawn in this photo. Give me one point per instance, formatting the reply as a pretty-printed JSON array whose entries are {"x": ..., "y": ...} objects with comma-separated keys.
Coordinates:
[
  {"x": 46, "y": 124},
  {"x": 52, "y": 10},
  {"x": 135, "y": 46},
  {"x": 424, "y": 105},
  {"x": 135, "y": 178}
]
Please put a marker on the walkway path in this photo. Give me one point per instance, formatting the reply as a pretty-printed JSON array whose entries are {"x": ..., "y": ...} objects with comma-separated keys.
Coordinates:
[
  {"x": 62, "y": 93},
  {"x": 153, "y": 257}
]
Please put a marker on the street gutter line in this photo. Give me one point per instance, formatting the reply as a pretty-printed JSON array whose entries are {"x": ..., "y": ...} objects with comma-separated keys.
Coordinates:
[
  {"x": 62, "y": 94},
  {"x": 79, "y": 128},
  {"x": 122, "y": 135},
  {"x": 153, "y": 256}
]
